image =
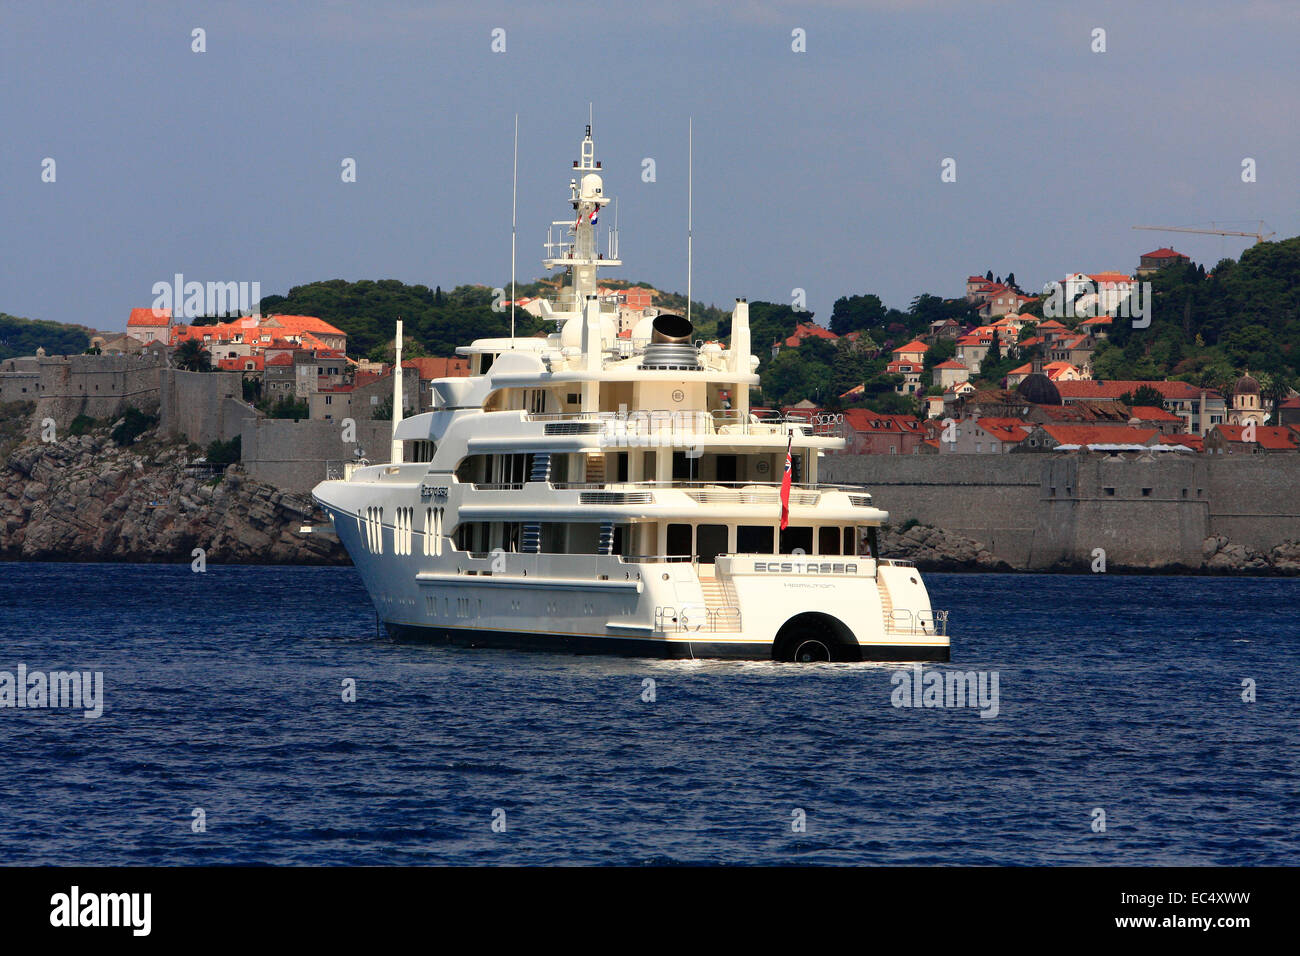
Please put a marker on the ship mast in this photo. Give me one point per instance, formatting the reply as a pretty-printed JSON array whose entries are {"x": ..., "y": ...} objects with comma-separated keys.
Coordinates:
[{"x": 587, "y": 196}]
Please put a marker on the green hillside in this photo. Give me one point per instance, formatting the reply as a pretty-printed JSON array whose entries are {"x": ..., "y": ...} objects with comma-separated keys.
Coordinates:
[
  {"x": 25, "y": 336},
  {"x": 1208, "y": 326}
]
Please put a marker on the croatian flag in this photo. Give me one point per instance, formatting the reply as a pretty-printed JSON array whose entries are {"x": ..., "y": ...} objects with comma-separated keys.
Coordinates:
[
  {"x": 594, "y": 213},
  {"x": 785, "y": 486}
]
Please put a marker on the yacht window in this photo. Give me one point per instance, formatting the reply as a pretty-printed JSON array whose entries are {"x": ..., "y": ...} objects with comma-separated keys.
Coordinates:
[
  {"x": 828, "y": 540},
  {"x": 710, "y": 541},
  {"x": 725, "y": 468},
  {"x": 796, "y": 539},
  {"x": 754, "y": 539},
  {"x": 679, "y": 539}
]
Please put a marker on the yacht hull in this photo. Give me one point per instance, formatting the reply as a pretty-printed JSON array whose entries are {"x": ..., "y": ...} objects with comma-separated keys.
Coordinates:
[{"x": 672, "y": 648}]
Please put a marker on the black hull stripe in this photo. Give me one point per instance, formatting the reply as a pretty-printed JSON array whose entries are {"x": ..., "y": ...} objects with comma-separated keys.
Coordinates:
[{"x": 633, "y": 646}]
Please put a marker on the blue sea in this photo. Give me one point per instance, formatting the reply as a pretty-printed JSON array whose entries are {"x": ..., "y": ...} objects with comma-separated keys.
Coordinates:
[{"x": 224, "y": 693}]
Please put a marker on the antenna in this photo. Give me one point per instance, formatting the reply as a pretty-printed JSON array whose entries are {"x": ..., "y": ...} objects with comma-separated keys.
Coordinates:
[
  {"x": 514, "y": 204},
  {"x": 613, "y": 239},
  {"x": 690, "y": 208}
]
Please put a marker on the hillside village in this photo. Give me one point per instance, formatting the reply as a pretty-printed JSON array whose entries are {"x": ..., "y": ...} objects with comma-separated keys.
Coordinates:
[{"x": 990, "y": 375}]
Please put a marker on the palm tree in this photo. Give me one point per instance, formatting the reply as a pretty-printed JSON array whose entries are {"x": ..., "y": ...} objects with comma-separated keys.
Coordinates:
[
  {"x": 1273, "y": 387},
  {"x": 192, "y": 356}
]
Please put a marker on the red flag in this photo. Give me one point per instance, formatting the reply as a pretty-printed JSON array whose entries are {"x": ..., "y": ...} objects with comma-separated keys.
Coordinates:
[{"x": 785, "y": 486}]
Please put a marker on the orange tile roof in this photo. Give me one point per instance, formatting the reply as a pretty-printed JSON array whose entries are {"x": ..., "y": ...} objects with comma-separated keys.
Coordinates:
[
  {"x": 865, "y": 420},
  {"x": 1005, "y": 429},
  {"x": 951, "y": 363},
  {"x": 150, "y": 317},
  {"x": 809, "y": 330},
  {"x": 916, "y": 345},
  {"x": 1149, "y": 413},
  {"x": 1100, "y": 434},
  {"x": 1194, "y": 442},
  {"x": 298, "y": 324},
  {"x": 241, "y": 364},
  {"x": 1273, "y": 437},
  {"x": 438, "y": 366},
  {"x": 1099, "y": 390},
  {"x": 1164, "y": 253},
  {"x": 899, "y": 366}
]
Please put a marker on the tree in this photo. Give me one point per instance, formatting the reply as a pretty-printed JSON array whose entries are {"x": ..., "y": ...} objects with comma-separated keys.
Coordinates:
[
  {"x": 1145, "y": 396},
  {"x": 856, "y": 313},
  {"x": 994, "y": 355},
  {"x": 222, "y": 453},
  {"x": 988, "y": 276},
  {"x": 286, "y": 406},
  {"x": 134, "y": 423},
  {"x": 25, "y": 336},
  {"x": 940, "y": 352},
  {"x": 192, "y": 356},
  {"x": 1274, "y": 388}
]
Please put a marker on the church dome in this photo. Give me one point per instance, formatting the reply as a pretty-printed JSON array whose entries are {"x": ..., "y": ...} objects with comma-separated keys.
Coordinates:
[
  {"x": 1246, "y": 385},
  {"x": 1039, "y": 389}
]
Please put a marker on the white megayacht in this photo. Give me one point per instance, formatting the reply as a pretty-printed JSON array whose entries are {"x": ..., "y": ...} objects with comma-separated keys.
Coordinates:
[{"x": 584, "y": 491}]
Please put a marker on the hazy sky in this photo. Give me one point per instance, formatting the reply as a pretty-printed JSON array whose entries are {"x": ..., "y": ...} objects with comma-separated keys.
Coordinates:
[{"x": 817, "y": 170}]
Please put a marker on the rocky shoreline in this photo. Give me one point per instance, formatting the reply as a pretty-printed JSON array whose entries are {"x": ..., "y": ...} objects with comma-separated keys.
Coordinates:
[
  {"x": 84, "y": 498},
  {"x": 933, "y": 549}
]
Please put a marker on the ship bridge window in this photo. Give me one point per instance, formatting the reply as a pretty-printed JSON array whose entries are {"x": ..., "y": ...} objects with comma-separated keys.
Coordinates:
[{"x": 828, "y": 540}]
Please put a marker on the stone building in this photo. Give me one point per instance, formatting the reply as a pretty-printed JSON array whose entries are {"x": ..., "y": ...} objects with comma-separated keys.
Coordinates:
[{"x": 1247, "y": 403}]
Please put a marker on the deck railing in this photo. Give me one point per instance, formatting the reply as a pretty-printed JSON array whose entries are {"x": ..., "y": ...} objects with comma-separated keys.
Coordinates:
[
  {"x": 698, "y": 421},
  {"x": 930, "y": 623},
  {"x": 696, "y": 617}
]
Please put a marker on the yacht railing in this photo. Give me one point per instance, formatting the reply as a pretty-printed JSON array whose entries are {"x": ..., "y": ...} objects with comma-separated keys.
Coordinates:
[
  {"x": 721, "y": 421},
  {"x": 704, "y": 492},
  {"x": 930, "y": 623},
  {"x": 696, "y": 617}
]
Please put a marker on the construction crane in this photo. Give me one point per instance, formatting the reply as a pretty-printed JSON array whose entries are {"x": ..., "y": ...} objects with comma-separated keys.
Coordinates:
[{"x": 1259, "y": 236}]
